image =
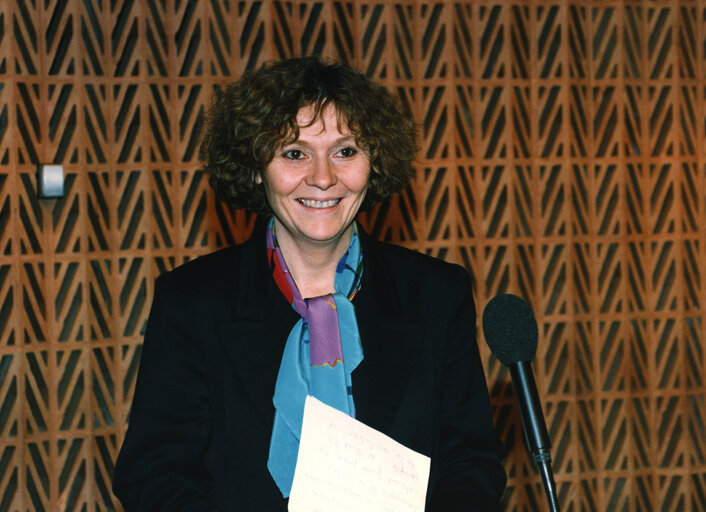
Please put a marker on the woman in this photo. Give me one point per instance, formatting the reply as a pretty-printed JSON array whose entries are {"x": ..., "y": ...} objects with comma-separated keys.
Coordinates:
[{"x": 309, "y": 305}]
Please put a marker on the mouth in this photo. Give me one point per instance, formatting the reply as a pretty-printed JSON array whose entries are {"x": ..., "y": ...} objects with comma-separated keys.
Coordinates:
[{"x": 310, "y": 203}]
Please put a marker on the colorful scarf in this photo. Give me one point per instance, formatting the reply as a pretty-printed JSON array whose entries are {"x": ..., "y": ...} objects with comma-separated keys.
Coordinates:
[{"x": 322, "y": 350}]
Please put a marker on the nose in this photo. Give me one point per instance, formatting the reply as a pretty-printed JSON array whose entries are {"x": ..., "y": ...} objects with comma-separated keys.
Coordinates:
[{"x": 323, "y": 174}]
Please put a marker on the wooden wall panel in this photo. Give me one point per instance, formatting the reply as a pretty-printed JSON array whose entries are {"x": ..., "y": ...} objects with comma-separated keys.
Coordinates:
[{"x": 562, "y": 159}]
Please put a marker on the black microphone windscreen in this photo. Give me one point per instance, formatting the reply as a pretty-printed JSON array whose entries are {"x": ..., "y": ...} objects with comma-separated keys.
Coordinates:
[{"x": 510, "y": 329}]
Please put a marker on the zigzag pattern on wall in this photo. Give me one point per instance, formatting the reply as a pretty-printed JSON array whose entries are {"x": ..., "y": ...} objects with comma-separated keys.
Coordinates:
[{"x": 561, "y": 159}]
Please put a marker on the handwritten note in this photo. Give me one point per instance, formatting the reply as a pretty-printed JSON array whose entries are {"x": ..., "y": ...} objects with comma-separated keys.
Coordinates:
[{"x": 344, "y": 465}]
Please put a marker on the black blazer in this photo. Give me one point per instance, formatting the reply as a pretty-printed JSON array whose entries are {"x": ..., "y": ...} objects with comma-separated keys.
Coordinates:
[{"x": 202, "y": 414}]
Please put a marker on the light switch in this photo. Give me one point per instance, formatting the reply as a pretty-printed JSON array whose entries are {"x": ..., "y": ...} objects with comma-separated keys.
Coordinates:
[{"x": 50, "y": 180}]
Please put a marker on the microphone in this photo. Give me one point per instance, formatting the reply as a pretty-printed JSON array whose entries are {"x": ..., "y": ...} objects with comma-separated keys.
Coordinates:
[{"x": 511, "y": 333}]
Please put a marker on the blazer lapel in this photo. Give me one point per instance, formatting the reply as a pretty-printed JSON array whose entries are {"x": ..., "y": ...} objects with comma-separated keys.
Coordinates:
[
  {"x": 391, "y": 344},
  {"x": 254, "y": 337}
]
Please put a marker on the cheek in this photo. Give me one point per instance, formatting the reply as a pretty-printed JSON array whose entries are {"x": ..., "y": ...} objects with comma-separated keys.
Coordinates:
[
  {"x": 365, "y": 180},
  {"x": 270, "y": 191},
  {"x": 361, "y": 178},
  {"x": 275, "y": 182}
]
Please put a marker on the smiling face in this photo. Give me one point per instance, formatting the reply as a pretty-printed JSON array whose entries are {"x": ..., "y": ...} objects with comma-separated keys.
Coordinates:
[{"x": 316, "y": 184}]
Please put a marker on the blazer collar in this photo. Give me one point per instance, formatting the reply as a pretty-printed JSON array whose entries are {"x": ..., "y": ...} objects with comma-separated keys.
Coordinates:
[
  {"x": 255, "y": 336},
  {"x": 391, "y": 341},
  {"x": 255, "y": 288}
]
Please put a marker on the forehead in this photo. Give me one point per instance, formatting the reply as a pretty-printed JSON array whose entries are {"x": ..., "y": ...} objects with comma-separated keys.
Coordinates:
[{"x": 329, "y": 117}]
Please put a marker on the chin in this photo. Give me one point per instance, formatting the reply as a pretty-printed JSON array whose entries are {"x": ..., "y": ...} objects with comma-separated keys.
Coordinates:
[{"x": 324, "y": 235}]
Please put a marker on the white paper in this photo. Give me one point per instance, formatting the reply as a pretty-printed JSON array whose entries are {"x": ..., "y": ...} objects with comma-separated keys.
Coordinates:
[{"x": 344, "y": 465}]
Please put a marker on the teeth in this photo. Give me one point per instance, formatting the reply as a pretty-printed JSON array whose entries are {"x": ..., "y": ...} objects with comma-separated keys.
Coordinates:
[{"x": 319, "y": 204}]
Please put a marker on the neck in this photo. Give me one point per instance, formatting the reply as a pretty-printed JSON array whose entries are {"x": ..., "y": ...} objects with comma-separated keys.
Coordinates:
[{"x": 312, "y": 265}]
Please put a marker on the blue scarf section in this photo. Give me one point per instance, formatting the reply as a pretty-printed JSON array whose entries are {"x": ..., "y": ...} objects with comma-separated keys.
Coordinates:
[{"x": 297, "y": 378}]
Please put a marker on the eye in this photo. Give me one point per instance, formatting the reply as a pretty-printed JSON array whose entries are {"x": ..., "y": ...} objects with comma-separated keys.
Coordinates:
[
  {"x": 347, "y": 152},
  {"x": 293, "y": 154}
]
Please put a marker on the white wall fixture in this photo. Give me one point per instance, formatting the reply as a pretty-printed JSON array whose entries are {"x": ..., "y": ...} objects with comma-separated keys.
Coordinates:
[{"x": 50, "y": 180}]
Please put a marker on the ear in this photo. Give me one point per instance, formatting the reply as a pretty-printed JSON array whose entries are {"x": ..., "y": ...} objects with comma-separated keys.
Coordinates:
[{"x": 258, "y": 179}]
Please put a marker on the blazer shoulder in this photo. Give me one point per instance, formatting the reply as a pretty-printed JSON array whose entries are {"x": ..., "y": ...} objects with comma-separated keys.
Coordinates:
[
  {"x": 205, "y": 267},
  {"x": 207, "y": 278},
  {"x": 416, "y": 265}
]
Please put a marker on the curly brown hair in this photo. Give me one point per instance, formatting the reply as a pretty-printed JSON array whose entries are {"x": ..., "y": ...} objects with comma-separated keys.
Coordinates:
[{"x": 251, "y": 118}]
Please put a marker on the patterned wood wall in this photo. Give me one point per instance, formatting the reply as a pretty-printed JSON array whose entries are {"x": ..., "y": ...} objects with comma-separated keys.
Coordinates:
[{"x": 563, "y": 159}]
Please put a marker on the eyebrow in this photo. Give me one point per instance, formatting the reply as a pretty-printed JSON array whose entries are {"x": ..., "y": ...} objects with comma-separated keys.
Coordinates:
[{"x": 340, "y": 140}]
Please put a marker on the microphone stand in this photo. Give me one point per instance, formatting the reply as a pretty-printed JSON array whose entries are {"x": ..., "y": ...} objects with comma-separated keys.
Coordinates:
[
  {"x": 534, "y": 427},
  {"x": 544, "y": 465}
]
